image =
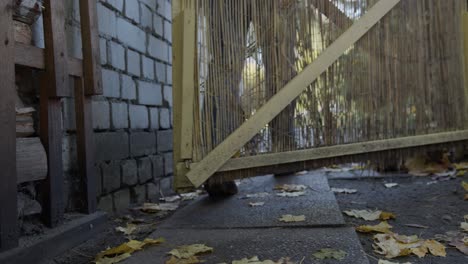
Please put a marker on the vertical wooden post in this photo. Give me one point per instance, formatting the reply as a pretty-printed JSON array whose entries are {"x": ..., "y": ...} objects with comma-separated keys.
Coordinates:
[
  {"x": 51, "y": 137},
  {"x": 91, "y": 52},
  {"x": 56, "y": 58},
  {"x": 184, "y": 86},
  {"x": 85, "y": 146},
  {"x": 465, "y": 61},
  {"x": 8, "y": 198}
]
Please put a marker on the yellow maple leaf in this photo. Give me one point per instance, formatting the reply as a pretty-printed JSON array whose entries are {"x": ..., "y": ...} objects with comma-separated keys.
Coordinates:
[
  {"x": 465, "y": 185},
  {"x": 387, "y": 216},
  {"x": 188, "y": 251},
  {"x": 383, "y": 227},
  {"x": 123, "y": 251},
  {"x": 190, "y": 260},
  {"x": 461, "y": 173},
  {"x": 436, "y": 248}
]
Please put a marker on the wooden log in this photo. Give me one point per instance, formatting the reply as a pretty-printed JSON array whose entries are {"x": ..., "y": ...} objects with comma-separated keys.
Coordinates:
[
  {"x": 8, "y": 196},
  {"x": 31, "y": 160}
]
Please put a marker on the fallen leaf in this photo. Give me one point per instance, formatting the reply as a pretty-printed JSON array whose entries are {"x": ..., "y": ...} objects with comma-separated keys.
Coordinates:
[
  {"x": 421, "y": 165},
  {"x": 191, "y": 260},
  {"x": 187, "y": 251},
  {"x": 461, "y": 166},
  {"x": 391, "y": 185},
  {"x": 170, "y": 199},
  {"x": 344, "y": 190},
  {"x": 291, "y": 188},
  {"x": 381, "y": 261},
  {"x": 123, "y": 251},
  {"x": 464, "y": 226},
  {"x": 190, "y": 196},
  {"x": 257, "y": 195},
  {"x": 254, "y": 260},
  {"x": 383, "y": 227},
  {"x": 154, "y": 208},
  {"x": 461, "y": 173},
  {"x": 257, "y": 204},
  {"x": 290, "y": 194},
  {"x": 417, "y": 226},
  {"x": 292, "y": 218},
  {"x": 364, "y": 214},
  {"x": 456, "y": 239},
  {"x": 436, "y": 248},
  {"x": 127, "y": 230},
  {"x": 465, "y": 185},
  {"x": 329, "y": 253},
  {"x": 387, "y": 216}
]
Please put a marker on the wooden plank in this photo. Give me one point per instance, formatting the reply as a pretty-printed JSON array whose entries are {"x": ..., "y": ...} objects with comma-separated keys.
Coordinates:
[
  {"x": 91, "y": 51},
  {"x": 85, "y": 146},
  {"x": 8, "y": 200},
  {"x": 341, "y": 150},
  {"x": 51, "y": 137},
  {"x": 31, "y": 160},
  {"x": 465, "y": 60},
  {"x": 223, "y": 152},
  {"x": 43, "y": 248},
  {"x": 30, "y": 56},
  {"x": 56, "y": 59}
]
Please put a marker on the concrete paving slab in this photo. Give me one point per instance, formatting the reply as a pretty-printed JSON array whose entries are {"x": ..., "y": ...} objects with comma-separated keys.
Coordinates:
[
  {"x": 318, "y": 205},
  {"x": 275, "y": 243}
]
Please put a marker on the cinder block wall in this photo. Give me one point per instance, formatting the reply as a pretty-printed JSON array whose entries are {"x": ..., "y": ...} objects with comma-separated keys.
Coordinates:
[{"x": 133, "y": 118}]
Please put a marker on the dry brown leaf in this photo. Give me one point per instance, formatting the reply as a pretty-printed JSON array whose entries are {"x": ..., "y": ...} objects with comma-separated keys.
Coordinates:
[
  {"x": 343, "y": 190},
  {"x": 127, "y": 230},
  {"x": 291, "y": 188},
  {"x": 436, "y": 248},
  {"x": 256, "y": 204},
  {"x": 461, "y": 173},
  {"x": 187, "y": 251},
  {"x": 364, "y": 214},
  {"x": 329, "y": 253},
  {"x": 387, "y": 216},
  {"x": 383, "y": 227},
  {"x": 290, "y": 194},
  {"x": 461, "y": 166},
  {"x": 256, "y": 260},
  {"x": 292, "y": 218},
  {"x": 125, "y": 249},
  {"x": 421, "y": 165},
  {"x": 464, "y": 226},
  {"x": 465, "y": 185},
  {"x": 154, "y": 208}
]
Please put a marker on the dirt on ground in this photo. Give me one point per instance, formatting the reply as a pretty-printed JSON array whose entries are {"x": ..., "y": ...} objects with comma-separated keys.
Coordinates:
[{"x": 435, "y": 206}]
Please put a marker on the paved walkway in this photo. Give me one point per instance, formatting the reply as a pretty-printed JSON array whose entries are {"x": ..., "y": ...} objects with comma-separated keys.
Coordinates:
[{"x": 236, "y": 230}]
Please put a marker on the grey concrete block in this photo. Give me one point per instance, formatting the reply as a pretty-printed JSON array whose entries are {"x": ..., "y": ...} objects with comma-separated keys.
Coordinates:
[
  {"x": 106, "y": 21},
  {"x": 110, "y": 176},
  {"x": 139, "y": 194},
  {"x": 158, "y": 25},
  {"x": 149, "y": 93},
  {"x": 152, "y": 192},
  {"x": 111, "y": 146},
  {"x": 117, "y": 4},
  {"x": 146, "y": 19},
  {"x": 128, "y": 88},
  {"x": 154, "y": 118},
  {"x": 164, "y": 118},
  {"x": 133, "y": 63},
  {"x": 144, "y": 170},
  {"x": 164, "y": 140},
  {"x": 110, "y": 83},
  {"x": 168, "y": 31},
  {"x": 129, "y": 172},
  {"x": 148, "y": 67},
  {"x": 117, "y": 55},
  {"x": 101, "y": 115},
  {"x": 161, "y": 72},
  {"x": 130, "y": 34},
  {"x": 169, "y": 75},
  {"x": 157, "y": 48},
  {"x": 132, "y": 10},
  {"x": 158, "y": 166},
  {"x": 119, "y": 115},
  {"x": 122, "y": 200},
  {"x": 150, "y": 3},
  {"x": 106, "y": 204},
  {"x": 164, "y": 9},
  {"x": 165, "y": 186},
  {"x": 138, "y": 117},
  {"x": 142, "y": 143},
  {"x": 103, "y": 50},
  {"x": 168, "y": 95},
  {"x": 168, "y": 164}
]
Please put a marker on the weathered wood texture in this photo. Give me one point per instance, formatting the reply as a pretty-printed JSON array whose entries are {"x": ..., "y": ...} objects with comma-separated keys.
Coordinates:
[
  {"x": 223, "y": 152},
  {"x": 56, "y": 59},
  {"x": 30, "y": 56},
  {"x": 85, "y": 146},
  {"x": 51, "y": 136},
  {"x": 24, "y": 122},
  {"x": 91, "y": 52},
  {"x": 341, "y": 150},
  {"x": 8, "y": 210},
  {"x": 31, "y": 160}
]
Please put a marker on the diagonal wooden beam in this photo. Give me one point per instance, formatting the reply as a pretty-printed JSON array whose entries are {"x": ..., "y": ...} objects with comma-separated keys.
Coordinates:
[{"x": 224, "y": 151}]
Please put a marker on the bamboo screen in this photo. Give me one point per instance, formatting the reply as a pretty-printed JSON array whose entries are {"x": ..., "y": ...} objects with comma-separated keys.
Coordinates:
[{"x": 403, "y": 78}]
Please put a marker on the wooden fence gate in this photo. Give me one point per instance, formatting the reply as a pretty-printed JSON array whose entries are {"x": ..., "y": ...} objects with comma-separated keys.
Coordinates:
[{"x": 263, "y": 86}]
